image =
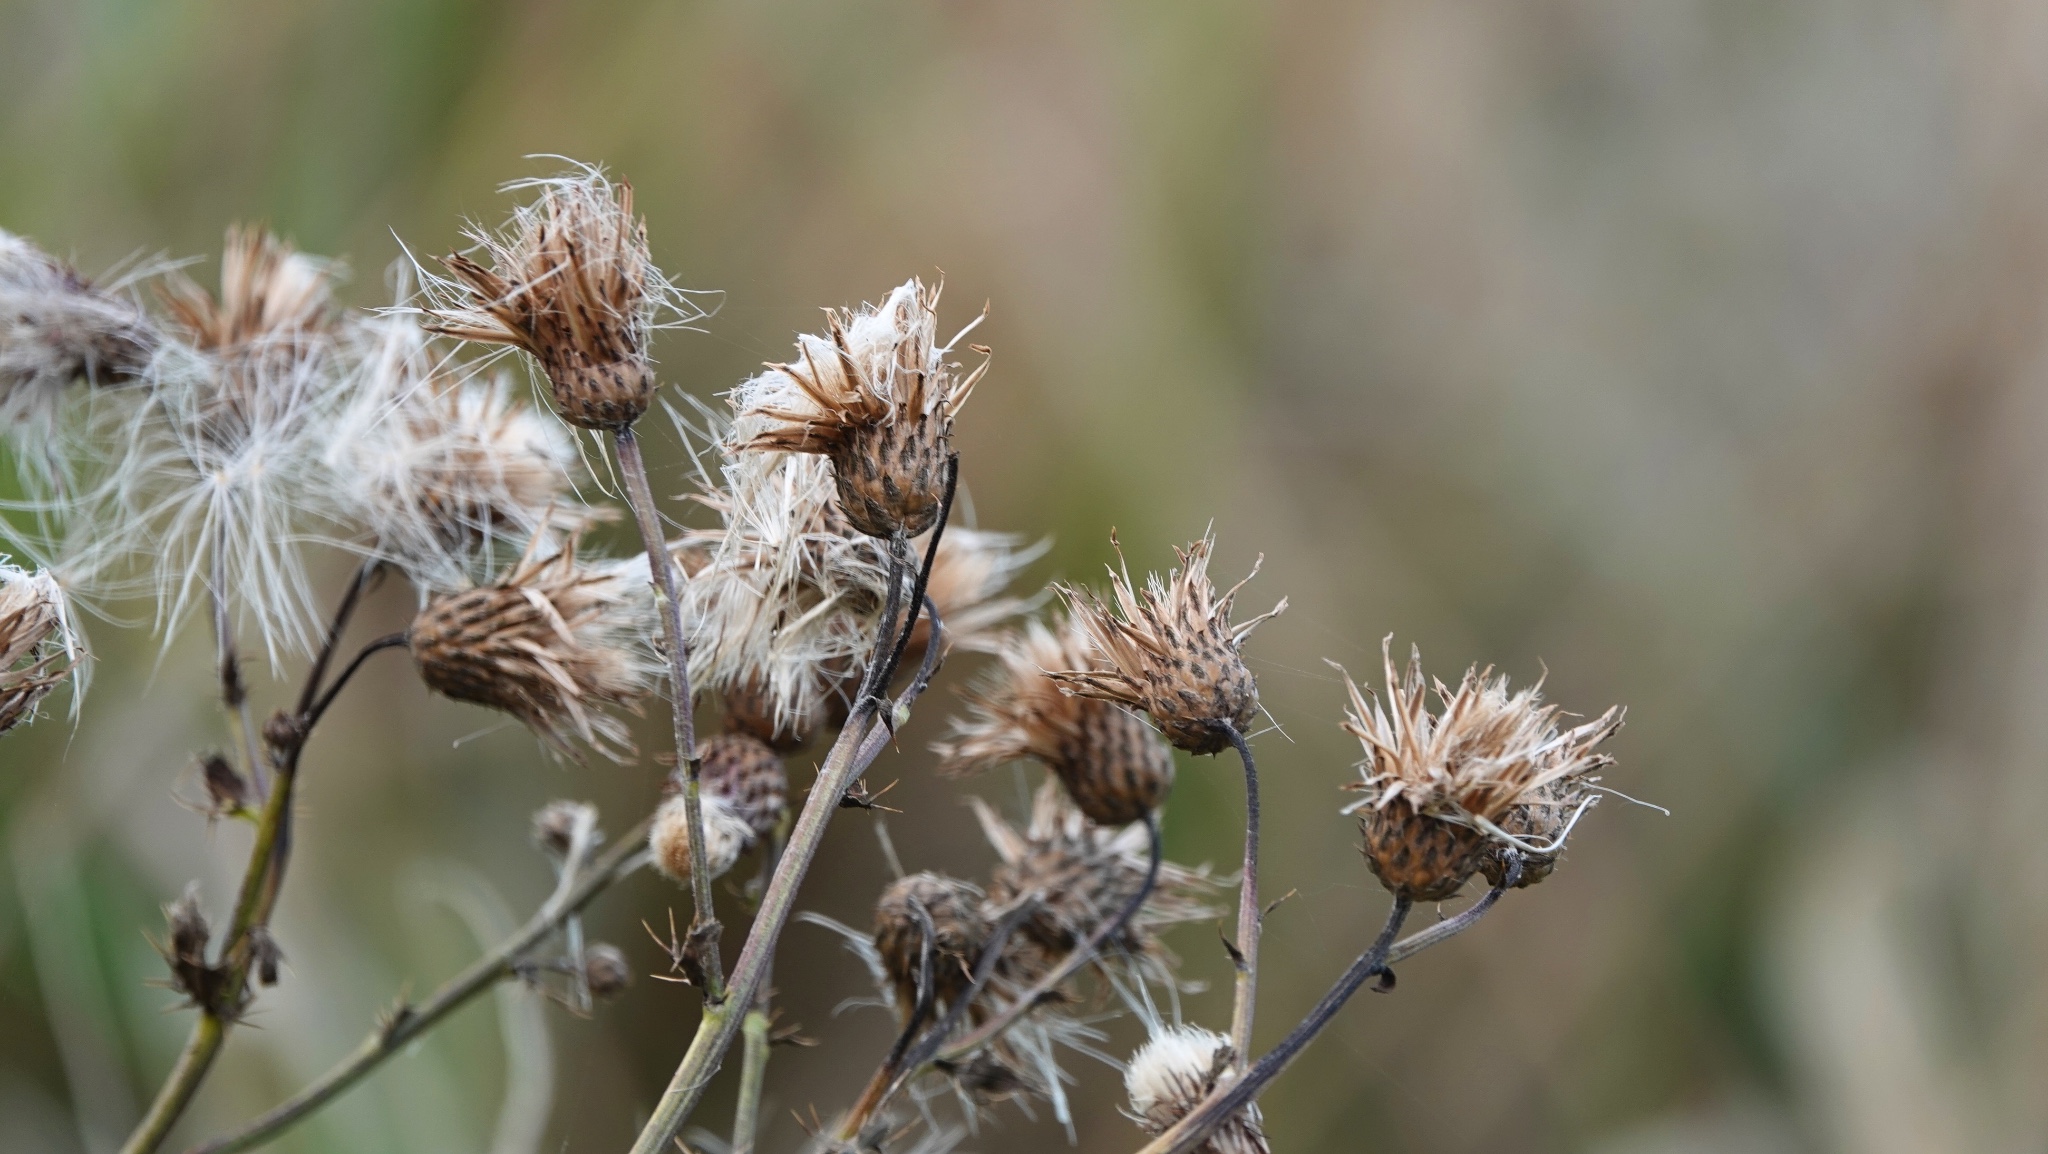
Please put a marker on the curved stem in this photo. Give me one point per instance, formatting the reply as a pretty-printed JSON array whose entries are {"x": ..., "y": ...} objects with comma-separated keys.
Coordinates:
[
  {"x": 1250, "y": 918},
  {"x": 307, "y": 718},
  {"x": 704, "y": 927},
  {"x": 408, "y": 1023}
]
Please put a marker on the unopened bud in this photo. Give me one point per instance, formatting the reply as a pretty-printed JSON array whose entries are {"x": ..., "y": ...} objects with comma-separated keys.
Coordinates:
[
  {"x": 227, "y": 791},
  {"x": 556, "y": 824},
  {"x": 605, "y": 970}
]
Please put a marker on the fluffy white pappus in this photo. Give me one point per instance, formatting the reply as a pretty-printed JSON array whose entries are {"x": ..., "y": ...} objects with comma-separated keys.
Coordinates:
[
  {"x": 1173, "y": 1072},
  {"x": 58, "y": 328},
  {"x": 786, "y": 596},
  {"x": 725, "y": 837},
  {"x": 441, "y": 472},
  {"x": 40, "y": 644}
]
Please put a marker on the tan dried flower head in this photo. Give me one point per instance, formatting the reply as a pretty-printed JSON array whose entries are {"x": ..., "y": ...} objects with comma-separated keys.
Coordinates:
[
  {"x": 57, "y": 327},
  {"x": 877, "y": 396},
  {"x": 38, "y": 647},
  {"x": 1439, "y": 787},
  {"x": 725, "y": 837},
  {"x": 951, "y": 909},
  {"x": 1171, "y": 650},
  {"x": 572, "y": 284},
  {"x": 1082, "y": 874},
  {"x": 748, "y": 776},
  {"x": 1171, "y": 1074},
  {"x": 554, "y": 643},
  {"x": 275, "y": 311},
  {"x": 1111, "y": 763}
]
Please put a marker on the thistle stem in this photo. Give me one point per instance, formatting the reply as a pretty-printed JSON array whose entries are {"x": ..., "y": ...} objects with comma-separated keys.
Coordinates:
[
  {"x": 408, "y": 1023},
  {"x": 1250, "y": 918},
  {"x": 704, "y": 927},
  {"x": 746, "y": 1118},
  {"x": 234, "y": 692}
]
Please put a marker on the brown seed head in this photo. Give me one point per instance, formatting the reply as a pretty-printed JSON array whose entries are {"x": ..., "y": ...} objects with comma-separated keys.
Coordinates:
[
  {"x": 552, "y": 643},
  {"x": 877, "y": 396},
  {"x": 1171, "y": 1074},
  {"x": 571, "y": 283},
  {"x": 951, "y": 910},
  {"x": 725, "y": 837},
  {"x": 57, "y": 327},
  {"x": 1112, "y": 764},
  {"x": 274, "y": 311},
  {"x": 1171, "y": 650},
  {"x": 1442, "y": 789},
  {"x": 606, "y": 971},
  {"x": 38, "y": 648},
  {"x": 748, "y": 775}
]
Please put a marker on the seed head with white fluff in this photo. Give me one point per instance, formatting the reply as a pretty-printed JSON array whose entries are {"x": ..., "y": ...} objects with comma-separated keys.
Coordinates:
[{"x": 1171, "y": 1074}]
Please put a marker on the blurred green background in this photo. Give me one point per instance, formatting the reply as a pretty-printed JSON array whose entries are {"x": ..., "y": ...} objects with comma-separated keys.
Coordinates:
[{"x": 1689, "y": 350}]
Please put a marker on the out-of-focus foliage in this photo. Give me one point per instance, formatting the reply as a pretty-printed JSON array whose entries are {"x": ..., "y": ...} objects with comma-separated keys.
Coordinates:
[{"x": 1690, "y": 350}]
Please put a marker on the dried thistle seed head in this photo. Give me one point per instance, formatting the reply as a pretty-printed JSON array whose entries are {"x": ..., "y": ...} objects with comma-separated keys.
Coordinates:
[
  {"x": 1171, "y": 1074},
  {"x": 572, "y": 284},
  {"x": 57, "y": 327},
  {"x": 553, "y": 642},
  {"x": 1112, "y": 764},
  {"x": 725, "y": 837},
  {"x": 1171, "y": 650},
  {"x": 969, "y": 576},
  {"x": 787, "y": 596},
  {"x": 445, "y": 471},
  {"x": 1441, "y": 788},
  {"x": 1081, "y": 875},
  {"x": 606, "y": 971},
  {"x": 951, "y": 910},
  {"x": 748, "y": 776},
  {"x": 184, "y": 951},
  {"x": 877, "y": 396},
  {"x": 749, "y": 708},
  {"x": 1541, "y": 820},
  {"x": 558, "y": 825},
  {"x": 39, "y": 648}
]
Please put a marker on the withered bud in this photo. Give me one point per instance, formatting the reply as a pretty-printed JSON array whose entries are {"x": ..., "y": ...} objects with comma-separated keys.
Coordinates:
[
  {"x": 227, "y": 791},
  {"x": 1489, "y": 769},
  {"x": 605, "y": 970},
  {"x": 264, "y": 955},
  {"x": 184, "y": 951},
  {"x": 557, "y": 825},
  {"x": 57, "y": 327},
  {"x": 877, "y": 396},
  {"x": 725, "y": 837},
  {"x": 571, "y": 283},
  {"x": 38, "y": 648},
  {"x": 282, "y": 732},
  {"x": 1170, "y": 650},
  {"x": 748, "y": 776},
  {"x": 1111, "y": 763},
  {"x": 552, "y": 643},
  {"x": 1171, "y": 1074},
  {"x": 950, "y": 911}
]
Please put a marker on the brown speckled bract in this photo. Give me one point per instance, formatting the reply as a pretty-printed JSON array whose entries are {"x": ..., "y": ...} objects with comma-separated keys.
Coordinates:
[
  {"x": 1541, "y": 819},
  {"x": 1416, "y": 856},
  {"x": 748, "y": 775},
  {"x": 958, "y": 929},
  {"x": 892, "y": 476}
]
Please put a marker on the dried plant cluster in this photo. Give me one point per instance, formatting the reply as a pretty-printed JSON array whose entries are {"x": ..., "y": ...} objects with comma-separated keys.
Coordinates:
[{"x": 204, "y": 447}]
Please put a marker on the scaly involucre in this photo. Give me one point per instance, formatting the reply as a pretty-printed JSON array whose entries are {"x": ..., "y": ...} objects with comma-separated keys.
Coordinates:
[
  {"x": 57, "y": 327},
  {"x": 1171, "y": 650},
  {"x": 446, "y": 472},
  {"x": 570, "y": 282},
  {"x": 785, "y": 598},
  {"x": 39, "y": 648},
  {"x": 1171, "y": 1075},
  {"x": 1111, "y": 763},
  {"x": 554, "y": 643},
  {"x": 1441, "y": 788},
  {"x": 877, "y": 395},
  {"x": 212, "y": 483}
]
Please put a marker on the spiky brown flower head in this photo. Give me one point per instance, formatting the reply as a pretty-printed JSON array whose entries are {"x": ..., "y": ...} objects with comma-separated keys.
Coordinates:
[
  {"x": 726, "y": 836},
  {"x": 970, "y": 575},
  {"x": 1111, "y": 763},
  {"x": 747, "y": 774},
  {"x": 1083, "y": 874},
  {"x": 875, "y": 394},
  {"x": 1173, "y": 1072},
  {"x": 274, "y": 314},
  {"x": 953, "y": 909},
  {"x": 1439, "y": 786},
  {"x": 443, "y": 468},
  {"x": 571, "y": 283},
  {"x": 1170, "y": 650},
  {"x": 38, "y": 646},
  {"x": 57, "y": 327},
  {"x": 606, "y": 971},
  {"x": 552, "y": 642}
]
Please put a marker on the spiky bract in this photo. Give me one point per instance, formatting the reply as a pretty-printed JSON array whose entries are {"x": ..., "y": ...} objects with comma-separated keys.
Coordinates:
[
  {"x": 1442, "y": 788},
  {"x": 1111, "y": 763},
  {"x": 877, "y": 396},
  {"x": 1171, "y": 650},
  {"x": 747, "y": 774}
]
